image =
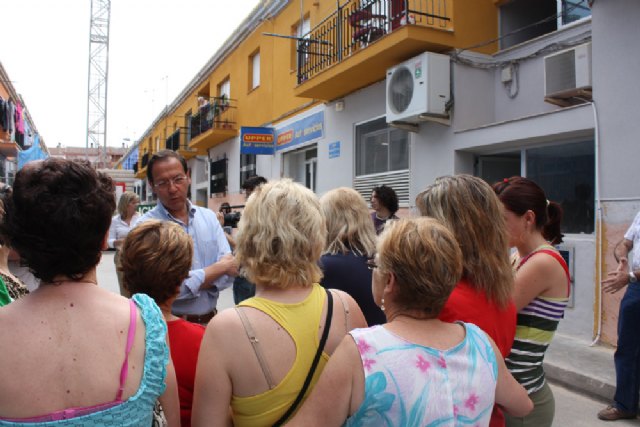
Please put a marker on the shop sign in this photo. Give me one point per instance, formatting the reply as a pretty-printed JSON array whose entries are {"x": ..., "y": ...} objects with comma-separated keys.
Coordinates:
[
  {"x": 334, "y": 150},
  {"x": 256, "y": 140},
  {"x": 304, "y": 130}
]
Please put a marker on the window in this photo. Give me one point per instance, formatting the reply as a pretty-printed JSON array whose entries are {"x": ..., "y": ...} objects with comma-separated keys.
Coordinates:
[
  {"x": 224, "y": 88},
  {"x": 567, "y": 174},
  {"x": 572, "y": 10},
  {"x": 301, "y": 30},
  {"x": 254, "y": 70},
  {"x": 565, "y": 171},
  {"x": 218, "y": 176},
  {"x": 522, "y": 20},
  {"x": 247, "y": 167},
  {"x": 381, "y": 148}
]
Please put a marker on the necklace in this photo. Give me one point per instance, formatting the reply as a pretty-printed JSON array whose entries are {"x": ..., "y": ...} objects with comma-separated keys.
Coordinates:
[{"x": 60, "y": 282}]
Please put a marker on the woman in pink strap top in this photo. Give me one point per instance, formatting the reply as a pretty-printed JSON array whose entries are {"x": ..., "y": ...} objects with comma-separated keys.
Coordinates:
[{"x": 74, "y": 354}]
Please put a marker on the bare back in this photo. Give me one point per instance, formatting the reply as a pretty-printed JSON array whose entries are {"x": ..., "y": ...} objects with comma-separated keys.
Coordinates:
[{"x": 63, "y": 346}]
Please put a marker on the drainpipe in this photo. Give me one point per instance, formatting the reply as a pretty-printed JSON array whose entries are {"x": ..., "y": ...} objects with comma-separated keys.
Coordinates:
[{"x": 598, "y": 224}]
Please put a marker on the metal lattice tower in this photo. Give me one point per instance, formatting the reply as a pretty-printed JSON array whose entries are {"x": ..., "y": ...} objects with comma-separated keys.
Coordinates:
[{"x": 98, "y": 75}]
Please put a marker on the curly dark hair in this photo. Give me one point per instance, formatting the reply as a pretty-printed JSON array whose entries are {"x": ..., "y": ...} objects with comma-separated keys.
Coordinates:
[
  {"x": 57, "y": 217},
  {"x": 387, "y": 197},
  {"x": 156, "y": 259}
]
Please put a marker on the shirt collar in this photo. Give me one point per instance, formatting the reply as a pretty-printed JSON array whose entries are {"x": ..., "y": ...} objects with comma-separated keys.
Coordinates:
[{"x": 191, "y": 210}]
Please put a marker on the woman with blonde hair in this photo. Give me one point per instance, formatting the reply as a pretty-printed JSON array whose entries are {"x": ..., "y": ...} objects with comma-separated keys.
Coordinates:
[
  {"x": 120, "y": 227},
  {"x": 351, "y": 240},
  {"x": 263, "y": 357},
  {"x": 415, "y": 369},
  {"x": 468, "y": 207}
]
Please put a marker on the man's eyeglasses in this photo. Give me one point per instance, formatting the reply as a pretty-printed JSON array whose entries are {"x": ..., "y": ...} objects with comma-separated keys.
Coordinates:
[
  {"x": 165, "y": 183},
  {"x": 371, "y": 263}
]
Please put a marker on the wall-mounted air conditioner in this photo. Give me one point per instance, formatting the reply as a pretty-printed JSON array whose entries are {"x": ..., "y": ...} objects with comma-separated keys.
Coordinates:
[
  {"x": 567, "y": 73},
  {"x": 418, "y": 89}
]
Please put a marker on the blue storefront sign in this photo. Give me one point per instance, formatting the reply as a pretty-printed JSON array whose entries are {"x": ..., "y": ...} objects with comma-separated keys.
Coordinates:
[
  {"x": 334, "y": 150},
  {"x": 302, "y": 131},
  {"x": 256, "y": 140}
]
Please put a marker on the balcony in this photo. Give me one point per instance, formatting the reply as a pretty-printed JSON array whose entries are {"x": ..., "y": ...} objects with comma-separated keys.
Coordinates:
[
  {"x": 141, "y": 173},
  {"x": 177, "y": 142},
  {"x": 214, "y": 123},
  {"x": 353, "y": 47}
]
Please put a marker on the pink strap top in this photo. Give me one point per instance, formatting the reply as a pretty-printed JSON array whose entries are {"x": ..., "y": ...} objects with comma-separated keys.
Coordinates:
[{"x": 77, "y": 412}]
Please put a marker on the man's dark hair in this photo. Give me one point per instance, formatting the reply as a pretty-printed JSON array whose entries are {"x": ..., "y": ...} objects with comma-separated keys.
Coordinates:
[
  {"x": 163, "y": 155},
  {"x": 58, "y": 215},
  {"x": 253, "y": 182},
  {"x": 387, "y": 197}
]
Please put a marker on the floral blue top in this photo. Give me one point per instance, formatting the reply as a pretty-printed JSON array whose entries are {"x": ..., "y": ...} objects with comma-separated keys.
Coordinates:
[{"x": 408, "y": 384}]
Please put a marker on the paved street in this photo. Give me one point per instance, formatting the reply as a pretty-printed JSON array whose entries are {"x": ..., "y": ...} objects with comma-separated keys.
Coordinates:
[{"x": 572, "y": 409}]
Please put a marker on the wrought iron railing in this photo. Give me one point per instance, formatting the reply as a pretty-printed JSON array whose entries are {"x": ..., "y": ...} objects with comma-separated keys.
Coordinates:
[
  {"x": 218, "y": 113},
  {"x": 176, "y": 142},
  {"x": 357, "y": 23}
]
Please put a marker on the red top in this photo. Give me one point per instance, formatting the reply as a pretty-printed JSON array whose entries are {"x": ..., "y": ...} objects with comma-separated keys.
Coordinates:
[
  {"x": 470, "y": 305},
  {"x": 185, "y": 339}
]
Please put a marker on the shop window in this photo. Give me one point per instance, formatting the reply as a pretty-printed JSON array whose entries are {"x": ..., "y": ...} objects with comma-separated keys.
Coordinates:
[
  {"x": 254, "y": 70},
  {"x": 218, "y": 177},
  {"x": 247, "y": 167},
  {"x": 566, "y": 172},
  {"x": 381, "y": 148}
]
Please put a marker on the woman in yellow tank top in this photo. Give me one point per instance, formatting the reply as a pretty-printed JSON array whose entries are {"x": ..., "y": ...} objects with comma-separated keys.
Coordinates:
[{"x": 255, "y": 358}]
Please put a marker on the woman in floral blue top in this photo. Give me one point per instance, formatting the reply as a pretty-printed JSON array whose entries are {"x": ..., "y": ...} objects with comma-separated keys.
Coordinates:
[{"x": 415, "y": 369}]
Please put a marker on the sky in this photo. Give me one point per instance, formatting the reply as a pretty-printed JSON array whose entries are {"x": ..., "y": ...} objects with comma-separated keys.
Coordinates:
[{"x": 155, "y": 48}]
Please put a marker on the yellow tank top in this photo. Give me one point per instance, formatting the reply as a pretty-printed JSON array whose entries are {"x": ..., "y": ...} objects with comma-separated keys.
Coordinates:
[{"x": 302, "y": 322}]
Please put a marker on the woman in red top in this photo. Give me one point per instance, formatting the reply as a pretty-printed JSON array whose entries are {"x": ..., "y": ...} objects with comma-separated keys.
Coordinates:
[
  {"x": 484, "y": 296},
  {"x": 147, "y": 271}
]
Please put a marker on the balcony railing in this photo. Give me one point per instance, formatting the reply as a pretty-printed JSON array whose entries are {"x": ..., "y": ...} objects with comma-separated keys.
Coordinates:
[
  {"x": 357, "y": 23},
  {"x": 219, "y": 113}
]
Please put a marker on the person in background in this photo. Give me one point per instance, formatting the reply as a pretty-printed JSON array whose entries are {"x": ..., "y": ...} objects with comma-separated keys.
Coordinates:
[
  {"x": 12, "y": 287},
  {"x": 79, "y": 354},
  {"x": 212, "y": 267},
  {"x": 351, "y": 240},
  {"x": 627, "y": 355},
  {"x": 256, "y": 357},
  {"x": 468, "y": 207},
  {"x": 542, "y": 286},
  {"x": 147, "y": 245},
  {"x": 415, "y": 369},
  {"x": 120, "y": 227},
  {"x": 242, "y": 288},
  {"x": 384, "y": 203}
]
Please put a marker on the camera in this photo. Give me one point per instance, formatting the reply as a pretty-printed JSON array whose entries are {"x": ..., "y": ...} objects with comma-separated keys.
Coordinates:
[{"x": 231, "y": 219}]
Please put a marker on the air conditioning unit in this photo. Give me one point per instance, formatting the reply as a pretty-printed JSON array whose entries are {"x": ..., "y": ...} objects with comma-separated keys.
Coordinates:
[
  {"x": 418, "y": 89},
  {"x": 567, "y": 73}
]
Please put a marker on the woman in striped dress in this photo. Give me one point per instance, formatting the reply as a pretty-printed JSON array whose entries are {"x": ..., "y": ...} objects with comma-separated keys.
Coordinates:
[{"x": 541, "y": 289}]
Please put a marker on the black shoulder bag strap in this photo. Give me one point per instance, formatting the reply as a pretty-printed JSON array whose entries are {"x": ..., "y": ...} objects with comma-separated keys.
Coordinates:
[{"x": 314, "y": 364}]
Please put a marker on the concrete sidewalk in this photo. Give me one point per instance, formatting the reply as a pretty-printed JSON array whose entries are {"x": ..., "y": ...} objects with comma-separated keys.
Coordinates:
[{"x": 575, "y": 364}]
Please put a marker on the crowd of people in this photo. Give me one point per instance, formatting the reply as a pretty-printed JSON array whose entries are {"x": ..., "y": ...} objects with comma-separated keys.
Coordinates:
[{"x": 343, "y": 317}]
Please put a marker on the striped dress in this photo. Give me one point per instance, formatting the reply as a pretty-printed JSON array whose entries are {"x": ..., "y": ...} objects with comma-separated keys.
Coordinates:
[{"x": 536, "y": 325}]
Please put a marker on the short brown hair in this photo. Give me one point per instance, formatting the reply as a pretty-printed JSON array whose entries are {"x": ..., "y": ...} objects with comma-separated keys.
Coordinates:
[
  {"x": 426, "y": 260},
  {"x": 156, "y": 258}
]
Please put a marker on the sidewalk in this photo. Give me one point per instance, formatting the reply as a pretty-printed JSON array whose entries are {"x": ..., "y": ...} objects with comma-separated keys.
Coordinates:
[{"x": 574, "y": 364}]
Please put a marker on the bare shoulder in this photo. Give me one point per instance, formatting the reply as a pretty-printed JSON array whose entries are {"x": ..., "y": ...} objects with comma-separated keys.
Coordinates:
[{"x": 225, "y": 325}]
